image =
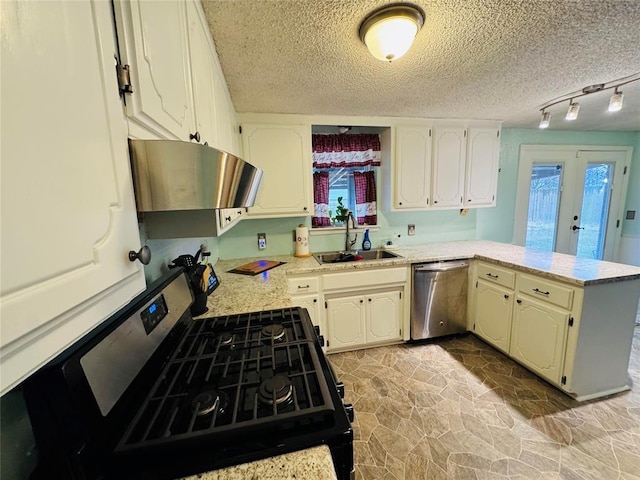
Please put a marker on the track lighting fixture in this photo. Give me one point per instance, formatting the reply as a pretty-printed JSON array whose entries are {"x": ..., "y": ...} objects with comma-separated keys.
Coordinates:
[{"x": 615, "y": 102}]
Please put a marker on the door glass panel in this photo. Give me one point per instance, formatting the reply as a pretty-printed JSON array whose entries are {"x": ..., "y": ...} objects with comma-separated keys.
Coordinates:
[
  {"x": 544, "y": 203},
  {"x": 594, "y": 214}
]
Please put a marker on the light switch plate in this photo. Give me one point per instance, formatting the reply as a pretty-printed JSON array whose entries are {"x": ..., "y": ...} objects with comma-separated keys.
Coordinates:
[{"x": 411, "y": 230}]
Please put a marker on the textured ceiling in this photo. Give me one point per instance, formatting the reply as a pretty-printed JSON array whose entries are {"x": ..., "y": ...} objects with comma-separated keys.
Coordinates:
[{"x": 480, "y": 59}]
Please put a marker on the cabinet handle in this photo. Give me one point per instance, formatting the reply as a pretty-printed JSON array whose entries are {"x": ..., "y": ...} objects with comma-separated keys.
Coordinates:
[
  {"x": 228, "y": 219},
  {"x": 518, "y": 301},
  {"x": 195, "y": 136},
  {"x": 315, "y": 300},
  {"x": 435, "y": 201},
  {"x": 144, "y": 255},
  {"x": 541, "y": 292},
  {"x": 468, "y": 200},
  {"x": 369, "y": 299},
  {"x": 239, "y": 212},
  {"x": 361, "y": 301},
  {"x": 399, "y": 203},
  {"x": 491, "y": 275},
  {"x": 506, "y": 296},
  {"x": 305, "y": 209},
  {"x": 303, "y": 286}
]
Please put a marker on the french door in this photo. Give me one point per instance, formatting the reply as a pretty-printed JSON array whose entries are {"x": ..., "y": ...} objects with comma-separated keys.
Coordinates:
[{"x": 570, "y": 199}]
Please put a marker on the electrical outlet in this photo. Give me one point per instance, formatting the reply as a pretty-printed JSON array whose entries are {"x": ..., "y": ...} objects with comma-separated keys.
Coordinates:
[
  {"x": 411, "y": 230},
  {"x": 262, "y": 241}
]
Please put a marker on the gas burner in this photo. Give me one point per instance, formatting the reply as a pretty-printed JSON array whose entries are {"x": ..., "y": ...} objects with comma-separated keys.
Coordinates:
[
  {"x": 276, "y": 390},
  {"x": 274, "y": 332},
  {"x": 226, "y": 340},
  {"x": 208, "y": 401}
]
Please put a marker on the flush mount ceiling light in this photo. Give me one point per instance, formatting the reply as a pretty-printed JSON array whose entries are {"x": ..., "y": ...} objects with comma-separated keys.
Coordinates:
[
  {"x": 615, "y": 102},
  {"x": 389, "y": 32}
]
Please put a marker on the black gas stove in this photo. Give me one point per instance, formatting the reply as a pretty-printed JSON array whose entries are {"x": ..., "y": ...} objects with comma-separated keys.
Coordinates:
[{"x": 155, "y": 394}]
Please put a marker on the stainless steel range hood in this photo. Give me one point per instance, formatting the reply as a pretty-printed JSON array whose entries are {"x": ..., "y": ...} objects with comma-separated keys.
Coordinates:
[{"x": 170, "y": 175}]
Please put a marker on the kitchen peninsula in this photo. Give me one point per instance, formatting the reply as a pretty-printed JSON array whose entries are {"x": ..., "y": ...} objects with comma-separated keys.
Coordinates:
[{"x": 588, "y": 356}]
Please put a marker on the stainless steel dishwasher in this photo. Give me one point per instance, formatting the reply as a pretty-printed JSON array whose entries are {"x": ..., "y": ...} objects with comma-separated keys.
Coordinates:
[{"x": 439, "y": 300}]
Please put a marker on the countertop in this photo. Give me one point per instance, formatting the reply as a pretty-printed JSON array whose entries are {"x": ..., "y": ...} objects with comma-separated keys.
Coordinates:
[
  {"x": 268, "y": 290},
  {"x": 311, "y": 464}
]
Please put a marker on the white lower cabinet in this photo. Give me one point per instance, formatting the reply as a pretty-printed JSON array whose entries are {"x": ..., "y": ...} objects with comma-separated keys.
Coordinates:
[
  {"x": 346, "y": 322},
  {"x": 577, "y": 337},
  {"x": 494, "y": 306},
  {"x": 363, "y": 320},
  {"x": 312, "y": 304},
  {"x": 538, "y": 337}
]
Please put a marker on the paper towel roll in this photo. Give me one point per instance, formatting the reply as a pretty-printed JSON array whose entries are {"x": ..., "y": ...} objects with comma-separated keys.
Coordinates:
[{"x": 302, "y": 241}]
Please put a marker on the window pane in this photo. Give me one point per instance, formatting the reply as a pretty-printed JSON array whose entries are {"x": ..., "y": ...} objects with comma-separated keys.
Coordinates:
[
  {"x": 595, "y": 210},
  {"x": 544, "y": 202}
]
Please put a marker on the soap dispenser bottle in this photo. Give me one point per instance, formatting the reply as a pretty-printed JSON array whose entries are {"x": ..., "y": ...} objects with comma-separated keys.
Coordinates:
[{"x": 366, "y": 243}]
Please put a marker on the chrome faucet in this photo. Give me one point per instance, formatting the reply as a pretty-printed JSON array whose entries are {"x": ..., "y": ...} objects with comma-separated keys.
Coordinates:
[{"x": 348, "y": 243}]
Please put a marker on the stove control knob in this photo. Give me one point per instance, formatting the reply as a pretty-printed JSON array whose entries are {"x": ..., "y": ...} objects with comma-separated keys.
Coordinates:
[
  {"x": 321, "y": 340},
  {"x": 350, "y": 413},
  {"x": 340, "y": 387}
]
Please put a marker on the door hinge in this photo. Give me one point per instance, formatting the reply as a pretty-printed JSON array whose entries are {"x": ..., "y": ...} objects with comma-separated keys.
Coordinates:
[
  {"x": 493, "y": 198},
  {"x": 325, "y": 305},
  {"x": 624, "y": 172},
  {"x": 474, "y": 326},
  {"x": 571, "y": 321},
  {"x": 476, "y": 284},
  {"x": 327, "y": 343},
  {"x": 124, "y": 78},
  {"x": 465, "y": 133},
  {"x": 240, "y": 129},
  {"x": 430, "y": 135},
  {"x": 564, "y": 380},
  {"x": 617, "y": 223},
  {"x": 498, "y": 134},
  {"x": 400, "y": 295}
]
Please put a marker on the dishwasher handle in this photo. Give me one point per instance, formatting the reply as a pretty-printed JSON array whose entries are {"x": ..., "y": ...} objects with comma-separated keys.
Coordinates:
[{"x": 440, "y": 267}]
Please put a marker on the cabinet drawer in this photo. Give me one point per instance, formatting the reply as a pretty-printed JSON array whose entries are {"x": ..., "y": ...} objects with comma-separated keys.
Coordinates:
[
  {"x": 495, "y": 274},
  {"x": 364, "y": 278},
  {"x": 546, "y": 290},
  {"x": 303, "y": 285}
]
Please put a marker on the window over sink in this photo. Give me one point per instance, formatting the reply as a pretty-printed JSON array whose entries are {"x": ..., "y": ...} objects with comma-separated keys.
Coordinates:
[{"x": 345, "y": 162}]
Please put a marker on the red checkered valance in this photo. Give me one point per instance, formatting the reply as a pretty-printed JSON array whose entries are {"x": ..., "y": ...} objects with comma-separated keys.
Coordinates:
[{"x": 355, "y": 150}]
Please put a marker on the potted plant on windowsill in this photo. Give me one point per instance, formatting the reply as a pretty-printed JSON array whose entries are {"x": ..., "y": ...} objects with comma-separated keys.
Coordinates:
[{"x": 342, "y": 213}]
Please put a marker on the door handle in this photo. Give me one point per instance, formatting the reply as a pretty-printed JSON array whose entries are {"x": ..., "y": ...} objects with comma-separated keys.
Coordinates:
[{"x": 575, "y": 227}]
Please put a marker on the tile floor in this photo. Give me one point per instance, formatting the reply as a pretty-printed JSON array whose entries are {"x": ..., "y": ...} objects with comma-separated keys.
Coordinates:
[{"x": 458, "y": 409}]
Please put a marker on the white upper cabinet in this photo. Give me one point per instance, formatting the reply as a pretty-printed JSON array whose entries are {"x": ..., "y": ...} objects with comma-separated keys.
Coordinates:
[
  {"x": 154, "y": 43},
  {"x": 483, "y": 146},
  {"x": 203, "y": 75},
  {"x": 412, "y": 167},
  {"x": 68, "y": 216},
  {"x": 284, "y": 153},
  {"x": 449, "y": 154}
]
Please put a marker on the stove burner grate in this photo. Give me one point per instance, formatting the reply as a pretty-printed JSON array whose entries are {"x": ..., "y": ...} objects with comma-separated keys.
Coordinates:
[{"x": 277, "y": 390}]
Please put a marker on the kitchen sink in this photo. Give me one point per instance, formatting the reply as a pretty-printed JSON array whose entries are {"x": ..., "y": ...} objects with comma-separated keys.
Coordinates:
[{"x": 355, "y": 256}]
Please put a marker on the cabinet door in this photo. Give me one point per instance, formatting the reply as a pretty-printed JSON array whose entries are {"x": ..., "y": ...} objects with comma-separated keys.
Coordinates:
[
  {"x": 284, "y": 153},
  {"x": 203, "y": 75},
  {"x": 346, "y": 322},
  {"x": 413, "y": 167},
  {"x": 538, "y": 337},
  {"x": 482, "y": 167},
  {"x": 153, "y": 42},
  {"x": 68, "y": 215},
  {"x": 449, "y": 147},
  {"x": 312, "y": 304},
  {"x": 384, "y": 315},
  {"x": 494, "y": 306}
]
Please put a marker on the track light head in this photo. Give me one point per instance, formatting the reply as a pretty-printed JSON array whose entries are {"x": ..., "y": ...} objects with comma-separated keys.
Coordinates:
[
  {"x": 615, "y": 103},
  {"x": 544, "y": 121},
  {"x": 572, "y": 113}
]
